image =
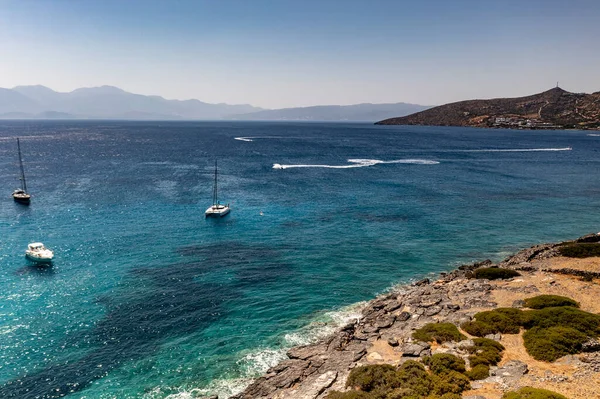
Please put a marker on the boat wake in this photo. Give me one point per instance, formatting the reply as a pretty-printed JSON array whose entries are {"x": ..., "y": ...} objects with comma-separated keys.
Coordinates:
[
  {"x": 593, "y": 135},
  {"x": 263, "y": 137},
  {"x": 359, "y": 163},
  {"x": 518, "y": 149}
]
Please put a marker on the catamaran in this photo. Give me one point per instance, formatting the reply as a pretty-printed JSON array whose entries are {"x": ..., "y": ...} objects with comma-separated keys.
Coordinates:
[
  {"x": 20, "y": 195},
  {"x": 217, "y": 209}
]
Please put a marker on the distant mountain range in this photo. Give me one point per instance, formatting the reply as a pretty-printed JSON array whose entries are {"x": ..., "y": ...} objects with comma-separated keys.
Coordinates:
[
  {"x": 108, "y": 102},
  {"x": 552, "y": 109},
  {"x": 358, "y": 112}
]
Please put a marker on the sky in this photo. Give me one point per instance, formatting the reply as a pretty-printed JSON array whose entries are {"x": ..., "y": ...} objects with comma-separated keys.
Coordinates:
[{"x": 288, "y": 53}]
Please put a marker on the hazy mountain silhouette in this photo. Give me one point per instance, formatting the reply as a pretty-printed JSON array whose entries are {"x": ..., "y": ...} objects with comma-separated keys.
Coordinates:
[
  {"x": 107, "y": 102},
  {"x": 358, "y": 112}
]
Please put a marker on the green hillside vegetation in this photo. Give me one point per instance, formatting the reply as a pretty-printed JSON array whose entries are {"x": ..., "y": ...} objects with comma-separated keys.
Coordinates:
[
  {"x": 439, "y": 332},
  {"x": 484, "y": 353},
  {"x": 533, "y": 393},
  {"x": 494, "y": 273},
  {"x": 549, "y": 301},
  {"x": 443, "y": 380},
  {"x": 580, "y": 250},
  {"x": 552, "y": 332}
]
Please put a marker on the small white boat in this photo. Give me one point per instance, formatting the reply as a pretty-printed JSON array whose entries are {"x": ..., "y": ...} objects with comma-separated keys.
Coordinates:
[
  {"x": 216, "y": 210},
  {"x": 37, "y": 252}
]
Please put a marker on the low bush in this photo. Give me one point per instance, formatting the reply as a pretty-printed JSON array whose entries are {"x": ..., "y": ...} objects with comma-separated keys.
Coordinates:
[
  {"x": 549, "y": 301},
  {"x": 442, "y": 363},
  {"x": 566, "y": 316},
  {"x": 410, "y": 381},
  {"x": 372, "y": 377},
  {"x": 494, "y": 273},
  {"x": 551, "y": 343},
  {"x": 439, "y": 332},
  {"x": 501, "y": 320},
  {"x": 484, "y": 353},
  {"x": 486, "y": 343},
  {"x": 414, "y": 377},
  {"x": 580, "y": 250},
  {"x": 479, "y": 372},
  {"x": 533, "y": 393},
  {"x": 450, "y": 382}
]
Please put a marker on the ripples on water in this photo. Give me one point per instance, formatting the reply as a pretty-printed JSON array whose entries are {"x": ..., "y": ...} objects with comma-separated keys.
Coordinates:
[{"x": 147, "y": 299}]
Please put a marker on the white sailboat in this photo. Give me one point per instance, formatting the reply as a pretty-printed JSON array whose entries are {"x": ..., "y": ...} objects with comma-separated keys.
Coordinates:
[
  {"x": 216, "y": 210},
  {"x": 20, "y": 195}
]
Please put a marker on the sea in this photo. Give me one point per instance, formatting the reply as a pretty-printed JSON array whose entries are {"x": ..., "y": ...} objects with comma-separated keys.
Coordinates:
[{"x": 148, "y": 299}]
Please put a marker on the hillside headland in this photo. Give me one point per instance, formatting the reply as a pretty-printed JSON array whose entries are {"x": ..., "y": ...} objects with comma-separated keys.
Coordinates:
[
  {"x": 525, "y": 286},
  {"x": 552, "y": 109}
]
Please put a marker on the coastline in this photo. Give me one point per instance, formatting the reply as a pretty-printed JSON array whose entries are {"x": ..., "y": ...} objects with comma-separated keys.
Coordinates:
[{"x": 383, "y": 332}]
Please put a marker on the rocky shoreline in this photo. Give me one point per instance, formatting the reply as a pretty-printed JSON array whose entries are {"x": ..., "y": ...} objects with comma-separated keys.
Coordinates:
[{"x": 384, "y": 332}]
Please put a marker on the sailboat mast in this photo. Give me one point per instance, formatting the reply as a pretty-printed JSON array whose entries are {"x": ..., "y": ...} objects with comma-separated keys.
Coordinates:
[
  {"x": 23, "y": 182},
  {"x": 215, "y": 187}
]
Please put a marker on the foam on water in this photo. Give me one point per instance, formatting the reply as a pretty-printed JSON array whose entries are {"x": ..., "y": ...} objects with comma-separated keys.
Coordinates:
[
  {"x": 256, "y": 362},
  {"x": 593, "y": 135},
  {"x": 359, "y": 163}
]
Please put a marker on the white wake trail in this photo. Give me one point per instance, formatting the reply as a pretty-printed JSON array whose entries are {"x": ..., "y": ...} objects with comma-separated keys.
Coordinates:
[
  {"x": 518, "y": 149},
  {"x": 358, "y": 163}
]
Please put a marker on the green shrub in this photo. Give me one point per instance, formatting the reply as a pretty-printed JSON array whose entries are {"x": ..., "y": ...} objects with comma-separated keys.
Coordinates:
[
  {"x": 413, "y": 376},
  {"x": 549, "y": 301},
  {"x": 485, "y": 353},
  {"x": 580, "y": 250},
  {"x": 439, "y": 332},
  {"x": 479, "y": 372},
  {"x": 533, "y": 393},
  {"x": 549, "y": 344},
  {"x": 372, "y": 377},
  {"x": 441, "y": 363},
  {"x": 409, "y": 381},
  {"x": 566, "y": 316},
  {"x": 501, "y": 320},
  {"x": 349, "y": 395},
  {"x": 489, "y": 357},
  {"x": 450, "y": 382},
  {"x": 494, "y": 273},
  {"x": 485, "y": 343}
]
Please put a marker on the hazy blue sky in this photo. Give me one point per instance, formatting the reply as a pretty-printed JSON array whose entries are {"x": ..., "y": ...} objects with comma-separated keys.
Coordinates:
[{"x": 282, "y": 53}]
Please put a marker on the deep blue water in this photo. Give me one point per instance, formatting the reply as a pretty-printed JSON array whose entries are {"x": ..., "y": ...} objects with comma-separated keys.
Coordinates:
[{"x": 147, "y": 299}]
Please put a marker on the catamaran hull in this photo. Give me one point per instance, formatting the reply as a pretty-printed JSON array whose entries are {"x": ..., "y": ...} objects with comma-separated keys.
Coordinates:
[{"x": 216, "y": 213}]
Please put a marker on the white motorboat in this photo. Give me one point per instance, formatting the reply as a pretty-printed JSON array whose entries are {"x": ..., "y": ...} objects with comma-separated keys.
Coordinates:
[
  {"x": 37, "y": 252},
  {"x": 216, "y": 210}
]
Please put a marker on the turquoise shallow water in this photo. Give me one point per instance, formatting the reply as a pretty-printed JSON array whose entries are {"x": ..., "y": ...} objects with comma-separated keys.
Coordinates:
[{"x": 147, "y": 299}]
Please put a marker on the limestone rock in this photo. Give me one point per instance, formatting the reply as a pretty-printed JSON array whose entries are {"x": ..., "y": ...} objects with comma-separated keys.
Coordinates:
[
  {"x": 591, "y": 345},
  {"x": 414, "y": 349},
  {"x": 519, "y": 303},
  {"x": 513, "y": 370},
  {"x": 403, "y": 316}
]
